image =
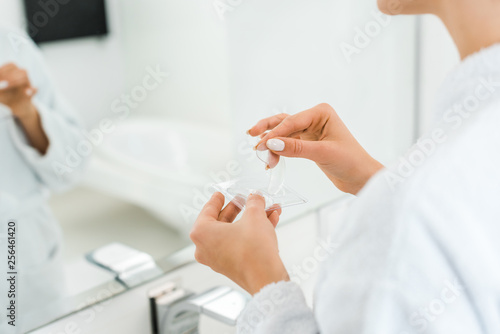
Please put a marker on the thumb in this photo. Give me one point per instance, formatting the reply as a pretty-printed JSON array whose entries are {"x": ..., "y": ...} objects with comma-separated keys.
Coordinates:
[
  {"x": 297, "y": 148},
  {"x": 255, "y": 206}
]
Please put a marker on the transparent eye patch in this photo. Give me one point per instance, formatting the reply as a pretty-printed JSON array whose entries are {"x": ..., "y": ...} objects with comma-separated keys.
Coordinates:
[{"x": 271, "y": 186}]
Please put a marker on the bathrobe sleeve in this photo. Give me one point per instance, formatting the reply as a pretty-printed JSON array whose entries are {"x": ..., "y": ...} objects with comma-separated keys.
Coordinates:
[
  {"x": 278, "y": 308},
  {"x": 62, "y": 164}
]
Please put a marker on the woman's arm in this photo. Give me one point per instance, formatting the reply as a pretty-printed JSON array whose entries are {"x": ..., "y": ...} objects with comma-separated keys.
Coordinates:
[
  {"x": 16, "y": 93},
  {"x": 32, "y": 126},
  {"x": 278, "y": 308},
  {"x": 246, "y": 251},
  {"x": 48, "y": 133},
  {"x": 318, "y": 134}
]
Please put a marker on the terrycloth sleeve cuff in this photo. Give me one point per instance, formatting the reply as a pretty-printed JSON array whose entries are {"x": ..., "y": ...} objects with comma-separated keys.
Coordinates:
[{"x": 278, "y": 308}]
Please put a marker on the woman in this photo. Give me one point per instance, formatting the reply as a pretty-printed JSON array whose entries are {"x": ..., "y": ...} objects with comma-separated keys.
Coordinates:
[
  {"x": 418, "y": 251},
  {"x": 37, "y": 127}
]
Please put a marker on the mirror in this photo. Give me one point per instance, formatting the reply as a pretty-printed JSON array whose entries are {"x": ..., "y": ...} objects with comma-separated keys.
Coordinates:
[{"x": 167, "y": 97}]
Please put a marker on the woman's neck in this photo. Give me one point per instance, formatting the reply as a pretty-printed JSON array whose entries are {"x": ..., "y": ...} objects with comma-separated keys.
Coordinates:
[{"x": 474, "y": 25}]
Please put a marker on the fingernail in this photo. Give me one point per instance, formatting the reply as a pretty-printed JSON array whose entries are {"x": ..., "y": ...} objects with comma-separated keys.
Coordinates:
[
  {"x": 258, "y": 193},
  {"x": 276, "y": 145},
  {"x": 4, "y": 84},
  {"x": 29, "y": 91},
  {"x": 248, "y": 132},
  {"x": 261, "y": 147}
]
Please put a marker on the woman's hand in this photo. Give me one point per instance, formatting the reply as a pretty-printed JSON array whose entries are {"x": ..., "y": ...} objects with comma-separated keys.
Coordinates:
[
  {"x": 318, "y": 134},
  {"x": 245, "y": 251},
  {"x": 16, "y": 91}
]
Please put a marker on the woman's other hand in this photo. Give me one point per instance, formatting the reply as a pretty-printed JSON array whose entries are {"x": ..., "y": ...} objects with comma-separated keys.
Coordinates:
[
  {"x": 16, "y": 91},
  {"x": 245, "y": 251},
  {"x": 318, "y": 134}
]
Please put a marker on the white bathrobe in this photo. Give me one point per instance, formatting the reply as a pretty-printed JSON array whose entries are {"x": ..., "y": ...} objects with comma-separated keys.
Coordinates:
[
  {"x": 419, "y": 250},
  {"x": 26, "y": 178}
]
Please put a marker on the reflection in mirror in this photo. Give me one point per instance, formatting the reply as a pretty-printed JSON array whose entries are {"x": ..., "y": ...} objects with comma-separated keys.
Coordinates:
[{"x": 123, "y": 151}]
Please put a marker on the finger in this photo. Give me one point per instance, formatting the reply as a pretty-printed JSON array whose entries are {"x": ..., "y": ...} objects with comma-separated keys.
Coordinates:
[
  {"x": 18, "y": 79},
  {"x": 266, "y": 124},
  {"x": 273, "y": 208},
  {"x": 5, "y": 72},
  {"x": 213, "y": 207},
  {"x": 274, "y": 218},
  {"x": 6, "y": 69},
  {"x": 230, "y": 212},
  {"x": 15, "y": 79},
  {"x": 274, "y": 159},
  {"x": 298, "y": 148},
  {"x": 256, "y": 205},
  {"x": 289, "y": 126}
]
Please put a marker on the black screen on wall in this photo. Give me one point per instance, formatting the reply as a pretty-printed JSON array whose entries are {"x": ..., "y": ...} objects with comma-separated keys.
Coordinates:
[{"x": 52, "y": 20}]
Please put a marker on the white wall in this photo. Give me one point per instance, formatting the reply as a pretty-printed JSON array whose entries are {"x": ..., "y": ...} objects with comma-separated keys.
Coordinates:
[
  {"x": 438, "y": 57},
  {"x": 188, "y": 40},
  {"x": 10, "y": 12},
  {"x": 184, "y": 37},
  {"x": 88, "y": 71},
  {"x": 92, "y": 72}
]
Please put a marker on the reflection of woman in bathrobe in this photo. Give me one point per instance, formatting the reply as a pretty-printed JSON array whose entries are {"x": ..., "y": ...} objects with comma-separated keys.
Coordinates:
[{"x": 37, "y": 128}]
